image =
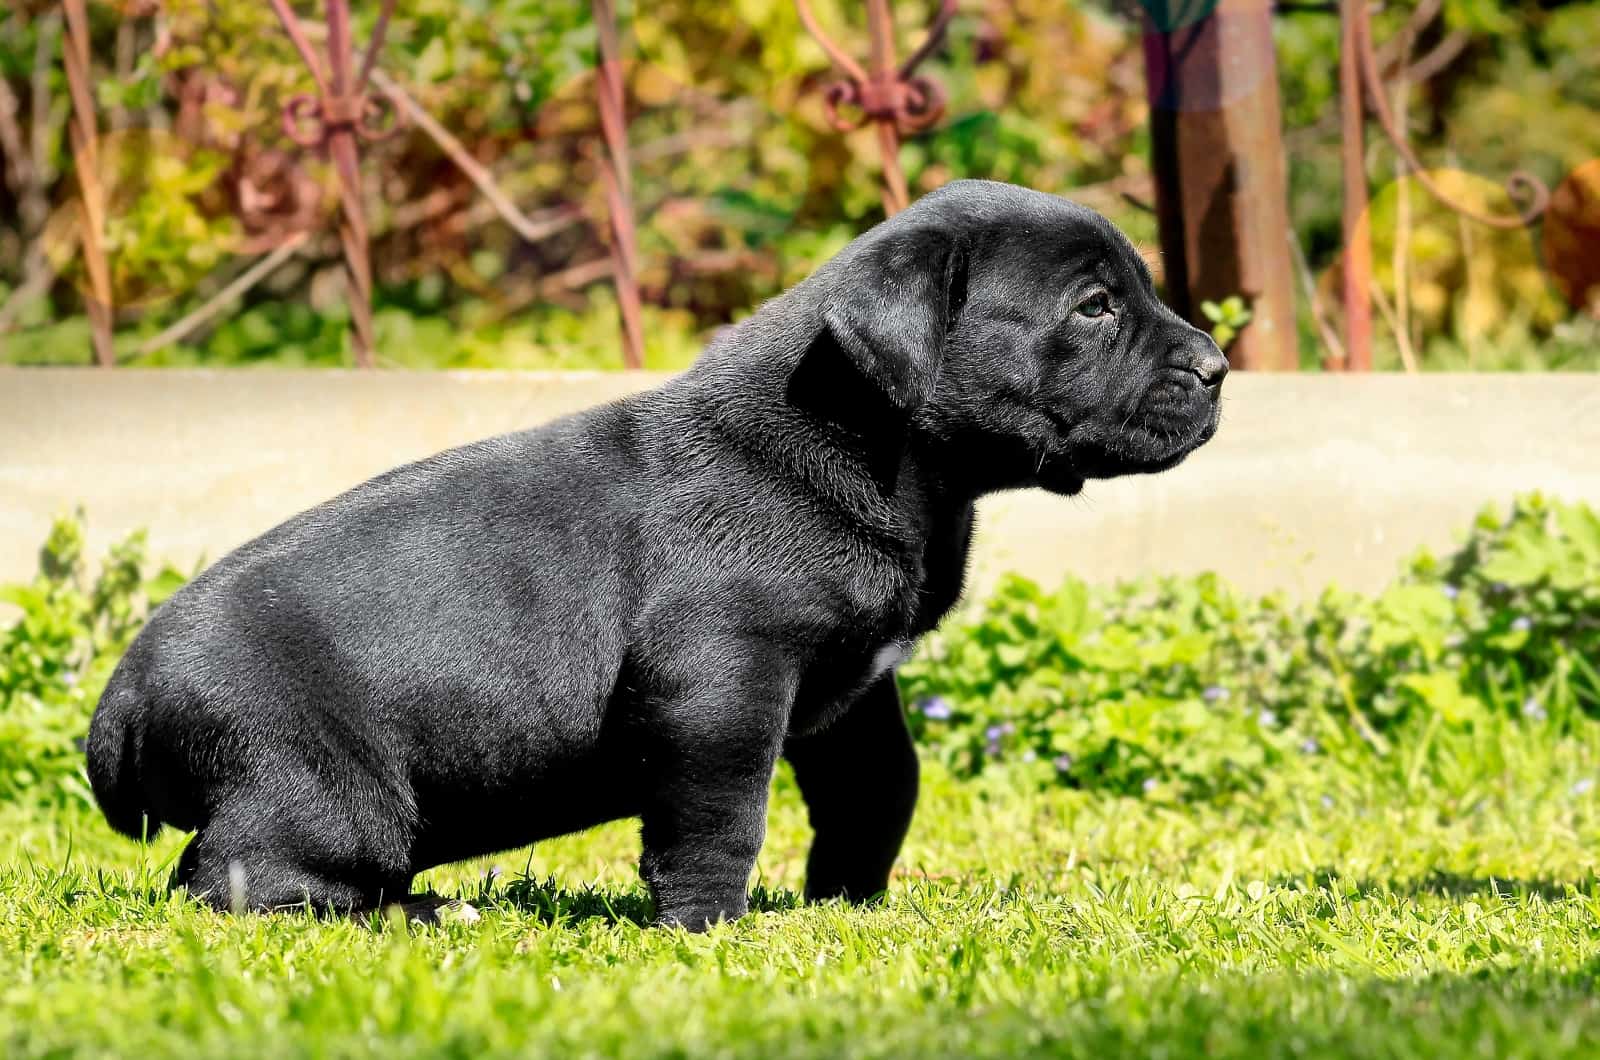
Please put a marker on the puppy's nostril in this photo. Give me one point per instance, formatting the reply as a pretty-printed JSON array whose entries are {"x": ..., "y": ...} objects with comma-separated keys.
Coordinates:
[{"x": 1211, "y": 367}]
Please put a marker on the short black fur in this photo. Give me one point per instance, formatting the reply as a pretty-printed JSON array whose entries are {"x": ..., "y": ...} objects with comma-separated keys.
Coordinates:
[{"x": 633, "y": 611}]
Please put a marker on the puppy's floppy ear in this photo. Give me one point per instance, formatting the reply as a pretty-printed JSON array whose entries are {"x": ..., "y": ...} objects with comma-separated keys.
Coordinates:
[{"x": 892, "y": 309}]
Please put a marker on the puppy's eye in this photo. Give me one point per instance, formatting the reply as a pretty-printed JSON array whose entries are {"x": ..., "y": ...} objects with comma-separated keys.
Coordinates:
[{"x": 1096, "y": 305}]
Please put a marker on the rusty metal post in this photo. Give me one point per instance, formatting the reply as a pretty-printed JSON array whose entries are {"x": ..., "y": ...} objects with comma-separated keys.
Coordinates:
[
  {"x": 345, "y": 110},
  {"x": 1221, "y": 185},
  {"x": 334, "y": 119},
  {"x": 86, "y": 160},
  {"x": 617, "y": 178},
  {"x": 896, "y": 99},
  {"x": 880, "y": 25},
  {"x": 1356, "y": 271}
]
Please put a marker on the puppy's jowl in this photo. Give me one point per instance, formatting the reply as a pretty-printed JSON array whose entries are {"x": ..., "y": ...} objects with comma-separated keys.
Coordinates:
[{"x": 633, "y": 611}]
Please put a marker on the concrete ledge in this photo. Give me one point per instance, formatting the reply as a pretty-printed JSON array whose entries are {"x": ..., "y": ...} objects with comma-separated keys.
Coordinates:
[{"x": 1312, "y": 478}]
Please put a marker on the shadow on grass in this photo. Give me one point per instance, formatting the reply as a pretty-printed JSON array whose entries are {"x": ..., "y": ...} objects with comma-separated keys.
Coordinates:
[
  {"x": 551, "y": 903},
  {"x": 1445, "y": 885},
  {"x": 1520, "y": 1010}
]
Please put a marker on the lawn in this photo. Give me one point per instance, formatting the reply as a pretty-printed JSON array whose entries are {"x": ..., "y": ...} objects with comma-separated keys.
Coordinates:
[
  {"x": 1159, "y": 819},
  {"x": 1438, "y": 900}
]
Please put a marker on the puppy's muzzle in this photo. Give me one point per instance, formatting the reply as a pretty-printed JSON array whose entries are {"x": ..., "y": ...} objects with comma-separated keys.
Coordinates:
[{"x": 1200, "y": 356}]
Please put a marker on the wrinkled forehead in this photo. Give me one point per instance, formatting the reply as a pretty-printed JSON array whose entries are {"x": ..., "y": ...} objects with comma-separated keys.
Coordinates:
[{"x": 1064, "y": 246}]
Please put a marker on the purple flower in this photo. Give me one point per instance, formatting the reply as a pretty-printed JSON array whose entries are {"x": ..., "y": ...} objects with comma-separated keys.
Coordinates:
[
  {"x": 1149, "y": 785},
  {"x": 1451, "y": 592},
  {"x": 1310, "y": 746},
  {"x": 1584, "y": 786},
  {"x": 935, "y": 707},
  {"x": 1267, "y": 719},
  {"x": 1062, "y": 763},
  {"x": 1327, "y": 802},
  {"x": 1533, "y": 709},
  {"x": 1214, "y": 693},
  {"x": 1522, "y": 624},
  {"x": 994, "y": 732}
]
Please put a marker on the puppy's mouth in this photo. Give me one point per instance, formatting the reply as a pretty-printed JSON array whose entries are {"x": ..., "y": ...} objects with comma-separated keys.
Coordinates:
[
  {"x": 1149, "y": 441},
  {"x": 1177, "y": 415},
  {"x": 1174, "y": 417},
  {"x": 1156, "y": 449}
]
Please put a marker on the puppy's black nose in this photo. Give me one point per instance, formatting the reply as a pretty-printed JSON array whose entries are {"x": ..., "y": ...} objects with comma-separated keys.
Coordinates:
[
  {"x": 1200, "y": 355},
  {"x": 1211, "y": 367}
]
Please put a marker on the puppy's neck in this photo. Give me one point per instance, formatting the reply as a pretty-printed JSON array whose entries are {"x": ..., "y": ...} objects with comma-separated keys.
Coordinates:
[{"x": 964, "y": 462}]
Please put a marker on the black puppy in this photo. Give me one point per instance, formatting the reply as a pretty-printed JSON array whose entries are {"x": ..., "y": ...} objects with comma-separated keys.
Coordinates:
[{"x": 635, "y": 610}]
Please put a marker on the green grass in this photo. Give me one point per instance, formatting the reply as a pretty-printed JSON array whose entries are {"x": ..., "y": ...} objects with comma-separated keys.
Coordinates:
[{"x": 1439, "y": 901}]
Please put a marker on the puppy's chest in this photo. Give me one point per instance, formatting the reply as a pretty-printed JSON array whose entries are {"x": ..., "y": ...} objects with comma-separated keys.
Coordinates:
[
  {"x": 869, "y": 644},
  {"x": 859, "y": 653},
  {"x": 887, "y": 656},
  {"x": 838, "y": 677}
]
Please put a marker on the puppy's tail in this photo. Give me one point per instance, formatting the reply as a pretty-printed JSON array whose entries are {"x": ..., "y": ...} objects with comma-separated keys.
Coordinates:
[{"x": 114, "y": 759}]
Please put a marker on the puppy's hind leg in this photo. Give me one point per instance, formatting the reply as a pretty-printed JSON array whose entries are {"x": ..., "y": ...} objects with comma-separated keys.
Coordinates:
[{"x": 264, "y": 859}]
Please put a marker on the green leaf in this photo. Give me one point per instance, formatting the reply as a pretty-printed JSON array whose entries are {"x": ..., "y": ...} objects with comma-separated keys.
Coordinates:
[
  {"x": 1521, "y": 562},
  {"x": 1580, "y": 525},
  {"x": 1011, "y": 656},
  {"x": 1442, "y": 692}
]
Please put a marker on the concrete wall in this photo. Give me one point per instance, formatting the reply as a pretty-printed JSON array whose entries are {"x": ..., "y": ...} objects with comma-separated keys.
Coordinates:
[{"x": 1312, "y": 478}]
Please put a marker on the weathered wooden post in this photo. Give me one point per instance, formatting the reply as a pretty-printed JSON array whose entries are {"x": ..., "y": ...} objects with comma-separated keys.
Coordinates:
[{"x": 1221, "y": 185}]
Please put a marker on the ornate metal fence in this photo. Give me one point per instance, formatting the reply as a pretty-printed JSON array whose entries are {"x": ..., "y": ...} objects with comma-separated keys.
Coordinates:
[
  {"x": 895, "y": 98},
  {"x": 1362, "y": 92},
  {"x": 1197, "y": 155}
]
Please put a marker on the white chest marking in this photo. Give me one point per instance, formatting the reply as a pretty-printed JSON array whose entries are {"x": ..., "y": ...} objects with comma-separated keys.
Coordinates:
[{"x": 887, "y": 658}]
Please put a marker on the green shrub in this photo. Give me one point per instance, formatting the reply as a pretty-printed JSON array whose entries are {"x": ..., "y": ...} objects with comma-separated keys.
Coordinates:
[
  {"x": 294, "y": 335},
  {"x": 1181, "y": 685},
  {"x": 1172, "y": 686},
  {"x": 57, "y": 656}
]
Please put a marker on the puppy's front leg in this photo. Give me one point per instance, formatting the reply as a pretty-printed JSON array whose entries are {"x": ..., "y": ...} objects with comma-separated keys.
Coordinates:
[
  {"x": 859, "y": 780},
  {"x": 709, "y": 773}
]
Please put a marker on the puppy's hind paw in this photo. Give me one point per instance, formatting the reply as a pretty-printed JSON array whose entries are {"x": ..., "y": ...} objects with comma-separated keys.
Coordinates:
[
  {"x": 699, "y": 918},
  {"x": 429, "y": 909}
]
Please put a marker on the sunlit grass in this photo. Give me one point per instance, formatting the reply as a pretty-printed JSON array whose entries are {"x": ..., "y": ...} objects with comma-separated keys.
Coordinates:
[{"x": 1400, "y": 906}]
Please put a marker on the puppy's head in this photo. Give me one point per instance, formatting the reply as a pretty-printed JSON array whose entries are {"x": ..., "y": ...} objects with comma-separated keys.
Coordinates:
[{"x": 1025, "y": 332}]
